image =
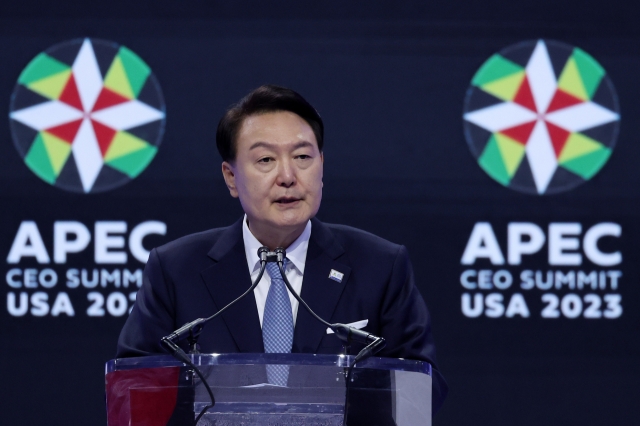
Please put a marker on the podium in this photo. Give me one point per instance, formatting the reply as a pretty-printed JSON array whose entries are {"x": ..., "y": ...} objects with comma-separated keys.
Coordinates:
[{"x": 161, "y": 391}]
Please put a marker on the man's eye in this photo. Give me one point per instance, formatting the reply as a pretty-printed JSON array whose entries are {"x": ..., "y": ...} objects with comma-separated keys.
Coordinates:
[
  {"x": 303, "y": 156},
  {"x": 265, "y": 160}
]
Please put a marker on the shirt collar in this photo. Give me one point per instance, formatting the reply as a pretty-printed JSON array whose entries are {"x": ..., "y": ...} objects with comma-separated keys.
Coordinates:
[{"x": 296, "y": 252}]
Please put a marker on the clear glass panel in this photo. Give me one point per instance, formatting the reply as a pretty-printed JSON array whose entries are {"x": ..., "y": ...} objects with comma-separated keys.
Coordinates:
[{"x": 162, "y": 391}]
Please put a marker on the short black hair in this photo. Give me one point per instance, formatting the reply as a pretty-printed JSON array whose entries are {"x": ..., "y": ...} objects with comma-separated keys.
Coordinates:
[{"x": 267, "y": 98}]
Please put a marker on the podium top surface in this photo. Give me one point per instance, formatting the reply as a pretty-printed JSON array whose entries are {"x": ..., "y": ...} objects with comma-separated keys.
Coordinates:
[{"x": 262, "y": 358}]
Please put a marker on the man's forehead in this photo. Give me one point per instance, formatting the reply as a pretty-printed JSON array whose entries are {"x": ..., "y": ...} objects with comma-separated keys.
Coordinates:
[
  {"x": 277, "y": 128},
  {"x": 265, "y": 121}
]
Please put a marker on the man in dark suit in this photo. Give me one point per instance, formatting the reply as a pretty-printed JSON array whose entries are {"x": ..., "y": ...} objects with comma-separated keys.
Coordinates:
[{"x": 271, "y": 144}]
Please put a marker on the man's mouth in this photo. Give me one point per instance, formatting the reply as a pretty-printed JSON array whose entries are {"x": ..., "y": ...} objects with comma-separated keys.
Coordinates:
[{"x": 287, "y": 200}]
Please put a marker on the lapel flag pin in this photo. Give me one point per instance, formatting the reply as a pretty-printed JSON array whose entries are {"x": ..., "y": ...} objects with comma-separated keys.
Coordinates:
[{"x": 336, "y": 276}]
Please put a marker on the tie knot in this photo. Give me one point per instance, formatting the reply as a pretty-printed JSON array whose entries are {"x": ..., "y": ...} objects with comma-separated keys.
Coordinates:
[{"x": 274, "y": 271}]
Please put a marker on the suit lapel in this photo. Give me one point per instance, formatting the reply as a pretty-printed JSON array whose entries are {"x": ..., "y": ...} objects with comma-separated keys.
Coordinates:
[
  {"x": 226, "y": 280},
  {"x": 318, "y": 290}
]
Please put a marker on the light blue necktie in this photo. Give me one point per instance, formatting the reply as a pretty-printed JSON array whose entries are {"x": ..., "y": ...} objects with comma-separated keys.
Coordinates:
[{"x": 277, "y": 324}]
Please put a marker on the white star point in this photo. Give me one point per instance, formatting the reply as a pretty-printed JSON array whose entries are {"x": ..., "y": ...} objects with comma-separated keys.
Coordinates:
[
  {"x": 580, "y": 117},
  {"x": 127, "y": 115},
  {"x": 501, "y": 116},
  {"x": 541, "y": 156},
  {"x": 87, "y": 75},
  {"x": 86, "y": 152},
  {"x": 46, "y": 115},
  {"x": 542, "y": 78}
]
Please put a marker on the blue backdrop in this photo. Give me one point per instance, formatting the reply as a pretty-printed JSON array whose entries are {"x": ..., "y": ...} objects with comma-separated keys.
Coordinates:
[{"x": 390, "y": 80}]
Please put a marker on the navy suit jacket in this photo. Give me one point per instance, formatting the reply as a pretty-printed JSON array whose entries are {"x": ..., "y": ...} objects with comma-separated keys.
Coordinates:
[{"x": 197, "y": 275}]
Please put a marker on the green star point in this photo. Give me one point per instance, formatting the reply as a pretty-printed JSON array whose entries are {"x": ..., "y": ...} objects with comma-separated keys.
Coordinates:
[
  {"x": 40, "y": 67},
  {"x": 492, "y": 163},
  {"x": 590, "y": 71},
  {"x": 586, "y": 166},
  {"x": 37, "y": 159},
  {"x": 136, "y": 69},
  {"x": 133, "y": 164},
  {"x": 496, "y": 67}
]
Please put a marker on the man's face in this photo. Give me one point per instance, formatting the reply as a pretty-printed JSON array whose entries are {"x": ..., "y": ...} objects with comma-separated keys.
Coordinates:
[{"x": 277, "y": 173}]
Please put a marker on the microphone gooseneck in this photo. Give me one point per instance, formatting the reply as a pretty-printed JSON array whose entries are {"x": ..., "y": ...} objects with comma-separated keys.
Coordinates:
[
  {"x": 344, "y": 332},
  {"x": 193, "y": 329},
  {"x": 280, "y": 262}
]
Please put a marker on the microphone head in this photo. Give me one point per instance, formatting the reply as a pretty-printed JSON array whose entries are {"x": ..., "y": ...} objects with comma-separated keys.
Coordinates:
[
  {"x": 280, "y": 253},
  {"x": 348, "y": 334},
  {"x": 262, "y": 253},
  {"x": 342, "y": 332}
]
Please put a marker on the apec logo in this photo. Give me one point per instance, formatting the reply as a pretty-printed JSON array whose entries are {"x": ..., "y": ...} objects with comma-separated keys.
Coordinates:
[
  {"x": 541, "y": 117},
  {"x": 87, "y": 115}
]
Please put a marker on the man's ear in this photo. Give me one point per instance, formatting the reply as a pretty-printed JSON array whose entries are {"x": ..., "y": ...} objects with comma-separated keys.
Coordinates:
[
  {"x": 322, "y": 158},
  {"x": 229, "y": 178}
]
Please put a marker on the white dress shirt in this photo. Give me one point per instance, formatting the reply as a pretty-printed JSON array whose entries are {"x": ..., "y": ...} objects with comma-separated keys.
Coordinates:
[{"x": 297, "y": 255}]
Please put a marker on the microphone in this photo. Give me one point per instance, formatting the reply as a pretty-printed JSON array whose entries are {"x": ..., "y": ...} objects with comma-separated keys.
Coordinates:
[
  {"x": 193, "y": 329},
  {"x": 344, "y": 332},
  {"x": 347, "y": 333}
]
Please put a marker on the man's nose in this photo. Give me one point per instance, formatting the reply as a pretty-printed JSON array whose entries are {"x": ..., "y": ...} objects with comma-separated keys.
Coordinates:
[{"x": 286, "y": 174}]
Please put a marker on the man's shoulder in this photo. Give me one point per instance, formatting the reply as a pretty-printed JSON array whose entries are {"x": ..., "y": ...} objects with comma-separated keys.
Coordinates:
[
  {"x": 196, "y": 239},
  {"x": 355, "y": 239},
  {"x": 199, "y": 243}
]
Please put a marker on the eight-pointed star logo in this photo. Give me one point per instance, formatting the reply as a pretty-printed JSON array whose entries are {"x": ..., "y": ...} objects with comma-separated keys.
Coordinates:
[
  {"x": 541, "y": 117},
  {"x": 87, "y": 115}
]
